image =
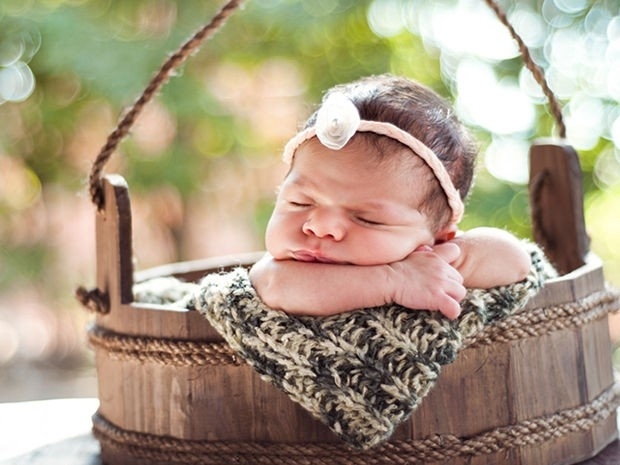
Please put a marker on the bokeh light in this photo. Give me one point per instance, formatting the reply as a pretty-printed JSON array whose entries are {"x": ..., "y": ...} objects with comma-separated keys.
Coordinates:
[
  {"x": 506, "y": 158},
  {"x": 576, "y": 41},
  {"x": 19, "y": 42},
  {"x": 501, "y": 108}
]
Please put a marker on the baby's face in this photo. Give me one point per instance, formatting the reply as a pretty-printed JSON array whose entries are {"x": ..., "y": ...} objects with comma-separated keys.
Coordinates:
[{"x": 346, "y": 207}]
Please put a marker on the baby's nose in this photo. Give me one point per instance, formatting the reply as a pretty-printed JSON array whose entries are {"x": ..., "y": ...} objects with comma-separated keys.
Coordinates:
[{"x": 325, "y": 224}]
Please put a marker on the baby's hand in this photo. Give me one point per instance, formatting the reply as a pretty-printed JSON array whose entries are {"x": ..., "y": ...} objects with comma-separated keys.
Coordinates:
[{"x": 427, "y": 280}]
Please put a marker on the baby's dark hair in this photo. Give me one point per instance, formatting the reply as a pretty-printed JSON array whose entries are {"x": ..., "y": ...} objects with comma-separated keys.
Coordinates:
[{"x": 424, "y": 114}]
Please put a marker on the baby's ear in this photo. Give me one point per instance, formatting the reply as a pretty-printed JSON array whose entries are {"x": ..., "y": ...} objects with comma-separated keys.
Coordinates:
[{"x": 446, "y": 234}]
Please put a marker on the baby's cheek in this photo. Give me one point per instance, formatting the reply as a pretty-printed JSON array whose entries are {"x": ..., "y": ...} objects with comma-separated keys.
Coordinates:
[
  {"x": 397, "y": 248},
  {"x": 276, "y": 240},
  {"x": 269, "y": 237}
]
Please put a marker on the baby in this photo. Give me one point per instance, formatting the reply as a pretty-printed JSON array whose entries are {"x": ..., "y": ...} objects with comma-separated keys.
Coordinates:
[{"x": 368, "y": 212}]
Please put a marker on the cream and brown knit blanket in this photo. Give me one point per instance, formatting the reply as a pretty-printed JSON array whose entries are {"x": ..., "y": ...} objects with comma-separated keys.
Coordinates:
[{"x": 362, "y": 373}]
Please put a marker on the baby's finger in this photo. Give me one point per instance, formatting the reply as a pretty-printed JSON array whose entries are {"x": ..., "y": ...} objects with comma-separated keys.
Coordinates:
[
  {"x": 450, "y": 308},
  {"x": 457, "y": 291},
  {"x": 448, "y": 251}
]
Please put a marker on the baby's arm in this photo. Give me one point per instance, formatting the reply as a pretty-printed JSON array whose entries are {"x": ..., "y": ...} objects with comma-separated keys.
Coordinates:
[
  {"x": 491, "y": 257},
  {"x": 425, "y": 280}
]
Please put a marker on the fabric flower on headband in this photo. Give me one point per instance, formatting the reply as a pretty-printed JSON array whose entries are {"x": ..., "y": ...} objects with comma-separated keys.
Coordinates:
[{"x": 336, "y": 121}]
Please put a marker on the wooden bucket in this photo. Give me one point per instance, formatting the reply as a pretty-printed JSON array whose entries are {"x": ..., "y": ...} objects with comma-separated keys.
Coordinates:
[{"x": 535, "y": 389}]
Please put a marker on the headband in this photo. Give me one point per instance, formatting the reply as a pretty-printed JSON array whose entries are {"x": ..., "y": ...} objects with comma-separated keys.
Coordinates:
[{"x": 338, "y": 120}]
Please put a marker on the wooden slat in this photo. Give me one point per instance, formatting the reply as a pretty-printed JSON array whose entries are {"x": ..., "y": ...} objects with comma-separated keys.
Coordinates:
[
  {"x": 193, "y": 270},
  {"x": 113, "y": 233},
  {"x": 556, "y": 197}
]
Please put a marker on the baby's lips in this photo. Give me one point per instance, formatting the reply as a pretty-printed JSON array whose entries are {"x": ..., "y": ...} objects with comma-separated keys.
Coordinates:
[
  {"x": 308, "y": 256},
  {"x": 424, "y": 248}
]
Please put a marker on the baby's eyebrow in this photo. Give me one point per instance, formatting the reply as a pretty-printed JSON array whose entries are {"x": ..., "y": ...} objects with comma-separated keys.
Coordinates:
[
  {"x": 385, "y": 208},
  {"x": 301, "y": 181}
]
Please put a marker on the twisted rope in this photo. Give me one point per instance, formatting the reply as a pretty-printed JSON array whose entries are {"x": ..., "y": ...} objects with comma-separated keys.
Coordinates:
[
  {"x": 531, "y": 323},
  {"x": 544, "y": 320},
  {"x": 160, "y": 78},
  {"x": 537, "y": 71},
  {"x": 162, "y": 351},
  {"x": 433, "y": 449}
]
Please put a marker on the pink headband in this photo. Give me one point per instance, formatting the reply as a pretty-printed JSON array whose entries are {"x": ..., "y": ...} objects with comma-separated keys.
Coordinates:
[{"x": 338, "y": 120}]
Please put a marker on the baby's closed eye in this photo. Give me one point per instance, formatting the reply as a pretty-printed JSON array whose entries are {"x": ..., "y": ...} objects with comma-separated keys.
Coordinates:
[
  {"x": 299, "y": 203},
  {"x": 368, "y": 221}
]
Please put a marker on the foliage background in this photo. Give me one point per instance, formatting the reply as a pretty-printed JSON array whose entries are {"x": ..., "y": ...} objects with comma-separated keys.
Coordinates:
[{"x": 203, "y": 161}]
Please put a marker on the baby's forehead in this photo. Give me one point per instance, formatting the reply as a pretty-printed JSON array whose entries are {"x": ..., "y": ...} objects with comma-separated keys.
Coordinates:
[
  {"x": 394, "y": 164},
  {"x": 376, "y": 151},
  {"x": 392, "y": 153}
]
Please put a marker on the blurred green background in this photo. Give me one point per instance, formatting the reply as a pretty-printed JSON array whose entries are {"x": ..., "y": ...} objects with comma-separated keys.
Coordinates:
[{"x": 203, "y": 160}]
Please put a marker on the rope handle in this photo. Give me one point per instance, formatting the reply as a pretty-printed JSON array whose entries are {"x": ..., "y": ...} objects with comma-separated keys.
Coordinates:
[
  {"x": 537, "y": 71},
  {"x": 207, "y": 31},
  {"x": 161, "y": 77}
]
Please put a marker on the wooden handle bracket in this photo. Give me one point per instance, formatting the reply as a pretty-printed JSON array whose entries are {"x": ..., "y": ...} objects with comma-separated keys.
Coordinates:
[{"x": 556, "y": 196}]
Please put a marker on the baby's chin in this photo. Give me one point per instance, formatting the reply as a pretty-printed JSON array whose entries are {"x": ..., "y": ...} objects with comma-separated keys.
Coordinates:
[{"x": 377, "y": 261}]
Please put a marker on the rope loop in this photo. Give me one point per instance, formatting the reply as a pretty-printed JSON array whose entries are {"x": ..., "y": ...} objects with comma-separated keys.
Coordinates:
[
  {"x": 94, "y": 300},
  {"x": 161, "y": 77},
  {"x": 206, "y": 32}
]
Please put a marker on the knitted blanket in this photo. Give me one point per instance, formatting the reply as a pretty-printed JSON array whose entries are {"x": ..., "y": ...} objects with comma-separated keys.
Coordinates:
[{"x": 361, "y": 373}]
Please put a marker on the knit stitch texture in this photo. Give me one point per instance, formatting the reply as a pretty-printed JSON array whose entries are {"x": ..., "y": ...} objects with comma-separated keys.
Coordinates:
[{"x": 362, "y": 373}]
